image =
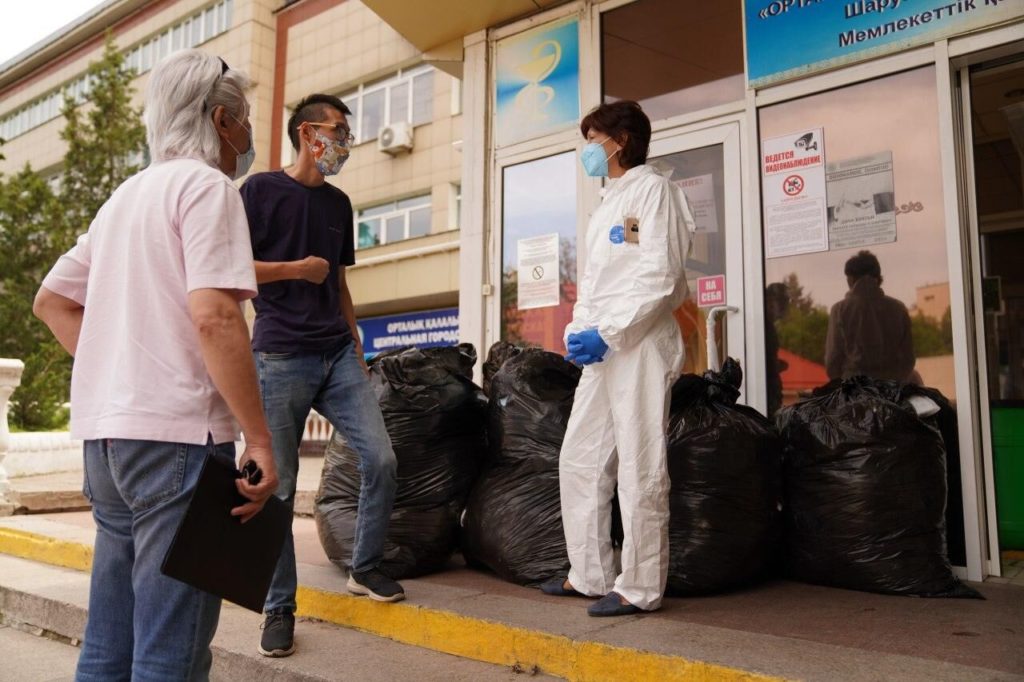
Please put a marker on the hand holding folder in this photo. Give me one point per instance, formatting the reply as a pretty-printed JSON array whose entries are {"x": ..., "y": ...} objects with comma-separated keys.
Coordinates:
[{"x": 214, "y": 551}]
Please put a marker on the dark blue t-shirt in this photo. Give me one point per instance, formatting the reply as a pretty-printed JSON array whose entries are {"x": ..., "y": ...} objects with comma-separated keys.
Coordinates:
[{"x": 289, "y": 221}]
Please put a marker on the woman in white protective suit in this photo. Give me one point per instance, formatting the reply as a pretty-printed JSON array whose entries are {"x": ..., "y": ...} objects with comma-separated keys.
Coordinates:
[{"x": 631, "y": 349}]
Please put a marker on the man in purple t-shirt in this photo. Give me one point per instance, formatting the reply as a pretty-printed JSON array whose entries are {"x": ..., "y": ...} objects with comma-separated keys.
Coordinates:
[{"x": 308, "y": 354}]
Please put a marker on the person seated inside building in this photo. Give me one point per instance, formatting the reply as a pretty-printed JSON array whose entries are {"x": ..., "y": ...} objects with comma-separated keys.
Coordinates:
[{"x": 868, "y": 332}]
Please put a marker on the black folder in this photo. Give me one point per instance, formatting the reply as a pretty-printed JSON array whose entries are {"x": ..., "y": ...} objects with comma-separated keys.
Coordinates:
[{"x": 219, "y": 554}]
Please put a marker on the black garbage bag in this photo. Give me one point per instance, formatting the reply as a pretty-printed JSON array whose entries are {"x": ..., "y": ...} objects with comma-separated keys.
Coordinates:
[
  {"x": 528, "y": 407},
  {"x": 946, "y": 422},
  {"x": 500, "y": 352},
  {"x": 513, "y": 519},
  {"x": 725, "y": 464},
  {"x": 865, "y": 492},
  {"x": 435, "y": 417}
]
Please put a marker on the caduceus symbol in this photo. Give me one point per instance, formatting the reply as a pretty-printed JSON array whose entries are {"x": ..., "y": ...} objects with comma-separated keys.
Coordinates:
[{"x": 533, "y": 98}]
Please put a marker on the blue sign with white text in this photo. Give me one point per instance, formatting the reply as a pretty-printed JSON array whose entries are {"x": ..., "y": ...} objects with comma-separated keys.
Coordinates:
[
  {"x": 425, "y": 329},
  {"x": 791, "y": 38}
]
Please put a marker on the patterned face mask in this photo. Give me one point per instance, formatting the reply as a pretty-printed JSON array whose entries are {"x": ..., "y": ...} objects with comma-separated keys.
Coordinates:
[{"x": 329, "y": 154}]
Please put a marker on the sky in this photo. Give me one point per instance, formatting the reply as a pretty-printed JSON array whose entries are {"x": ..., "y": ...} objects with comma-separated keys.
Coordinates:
[{"x": 24, "y": 24}]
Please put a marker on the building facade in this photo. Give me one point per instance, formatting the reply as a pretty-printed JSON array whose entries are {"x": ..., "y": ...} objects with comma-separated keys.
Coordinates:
[{"x": 803, "y": 132}]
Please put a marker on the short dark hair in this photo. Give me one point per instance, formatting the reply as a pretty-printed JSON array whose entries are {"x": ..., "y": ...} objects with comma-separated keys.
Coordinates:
[
  {"x": 312, "y": 109},
  {"x": 864, "y": 263},
  {"x": 614, "y": 119}
]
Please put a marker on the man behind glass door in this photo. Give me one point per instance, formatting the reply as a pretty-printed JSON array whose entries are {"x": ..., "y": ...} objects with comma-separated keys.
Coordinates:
[{"x": 868, "y": 332}]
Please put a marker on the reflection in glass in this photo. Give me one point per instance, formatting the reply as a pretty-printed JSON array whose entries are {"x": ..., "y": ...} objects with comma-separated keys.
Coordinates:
[
  {"x": 700, "y": 173},
  {"x": 803, "y": 290},
  {"x": 673, "y": 56},
  {"x": 373, "y": 115},
  {"x": 539, "y": 198},
  {"x": 369, "y": 233}
]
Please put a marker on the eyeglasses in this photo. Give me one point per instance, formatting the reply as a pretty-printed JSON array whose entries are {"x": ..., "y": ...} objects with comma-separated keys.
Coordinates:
[{"x": 345, "y": 134}]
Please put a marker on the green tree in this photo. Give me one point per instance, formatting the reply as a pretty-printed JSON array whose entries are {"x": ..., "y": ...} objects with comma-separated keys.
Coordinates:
[
  {"x": 105, "y": 139},
  {"x": 804, "y": 327},
  {"x": 931, "y": 337},
  {"x": 30, "y": 216}
]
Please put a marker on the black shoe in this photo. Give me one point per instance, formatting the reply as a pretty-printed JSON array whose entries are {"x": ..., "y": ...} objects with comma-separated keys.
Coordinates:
[
  {"x": 278, "y": 638},
  {"x": 375, "y": 585},
  {"x": 611, "y": 605},
  {"x": 556, "y": 587}
]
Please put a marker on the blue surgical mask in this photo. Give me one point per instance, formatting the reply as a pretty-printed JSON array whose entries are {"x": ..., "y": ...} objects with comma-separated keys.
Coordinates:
[
  {"x": 243, "y": 161},
  {"x": 594, "y": 160}
]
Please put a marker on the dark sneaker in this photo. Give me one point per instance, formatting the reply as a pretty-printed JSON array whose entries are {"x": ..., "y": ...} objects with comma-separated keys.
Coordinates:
[
  {"x": 278, "y": 638},
  {"x": 375, "y": 585}
]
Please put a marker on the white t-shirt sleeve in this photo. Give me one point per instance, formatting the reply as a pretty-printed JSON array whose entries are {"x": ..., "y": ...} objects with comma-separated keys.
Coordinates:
[
  {"x": 69, "y": 276},
  {"x": 215, "y": 240}
]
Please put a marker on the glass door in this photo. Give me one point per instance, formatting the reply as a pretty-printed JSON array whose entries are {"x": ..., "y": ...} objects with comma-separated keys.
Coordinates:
[{"x": 706, "y": 165}]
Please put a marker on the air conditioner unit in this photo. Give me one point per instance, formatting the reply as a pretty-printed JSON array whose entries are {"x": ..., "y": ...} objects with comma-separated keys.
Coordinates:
[{"x": 395, "y": 138}]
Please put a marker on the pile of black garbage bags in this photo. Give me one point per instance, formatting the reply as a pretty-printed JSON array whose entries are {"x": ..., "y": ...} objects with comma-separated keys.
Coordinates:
[
  {"x": 847, "y": 489},
  {"x": 434, "y": 414}
]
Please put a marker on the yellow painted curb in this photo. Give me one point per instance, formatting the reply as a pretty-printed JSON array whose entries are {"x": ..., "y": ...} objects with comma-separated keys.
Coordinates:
[
  {"x": 444, "y": 631},
  {"x": 44, "y": 549},
  {"x": 501, "y": 644}
]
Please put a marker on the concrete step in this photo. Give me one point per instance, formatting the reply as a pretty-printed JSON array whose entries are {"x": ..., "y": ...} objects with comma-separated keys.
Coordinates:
[
  {"x": 25, "y": 651},
  {"x": 53, "y": 601},
  {"x": 779, "y": 629}
]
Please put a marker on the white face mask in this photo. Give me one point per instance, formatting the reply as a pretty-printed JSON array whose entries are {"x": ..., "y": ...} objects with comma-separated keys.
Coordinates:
[{"x": 243, "y": 160}]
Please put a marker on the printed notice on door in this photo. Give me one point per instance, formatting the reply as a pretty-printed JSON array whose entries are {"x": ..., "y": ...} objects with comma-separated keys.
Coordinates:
[
  {"x": 538, "y": 272},
  {"x": 700, "y": 192},
  {"x": 861, "y": 202},
  {"x": 793, "y": 189}
]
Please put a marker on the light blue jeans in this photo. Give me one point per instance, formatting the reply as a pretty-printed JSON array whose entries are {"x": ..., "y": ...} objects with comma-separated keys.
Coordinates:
[
  {"x": 143, "y": 625},
  {"x": 336, "y": 386}
]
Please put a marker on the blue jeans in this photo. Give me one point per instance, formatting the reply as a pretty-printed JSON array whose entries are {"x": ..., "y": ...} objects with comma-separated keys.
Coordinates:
[
  {"x": 335, "y": 384},
  {"x": 143, "y": 625}
]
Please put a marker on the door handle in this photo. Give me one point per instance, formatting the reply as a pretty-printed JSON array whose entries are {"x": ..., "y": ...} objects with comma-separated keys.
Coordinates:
[{"x": 712, "y": 349}]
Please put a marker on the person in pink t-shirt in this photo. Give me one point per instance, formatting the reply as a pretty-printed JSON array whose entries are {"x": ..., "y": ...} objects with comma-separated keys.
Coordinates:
[{"x": 148, "y": 303}]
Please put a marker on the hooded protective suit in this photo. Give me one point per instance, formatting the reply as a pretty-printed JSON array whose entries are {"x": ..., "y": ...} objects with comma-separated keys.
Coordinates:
[{"x": 616, "y": 432}]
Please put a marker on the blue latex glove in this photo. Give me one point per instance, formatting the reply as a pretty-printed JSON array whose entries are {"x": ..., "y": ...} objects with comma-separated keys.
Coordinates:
[{"x": 586, "y": 347}]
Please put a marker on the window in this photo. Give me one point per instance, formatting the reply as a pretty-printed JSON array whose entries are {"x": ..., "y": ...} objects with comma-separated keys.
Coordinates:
[
  {"x": 393, "y": 222},
  {"x": 407, "y": 96},
  {"x": 185, "y": 34}
]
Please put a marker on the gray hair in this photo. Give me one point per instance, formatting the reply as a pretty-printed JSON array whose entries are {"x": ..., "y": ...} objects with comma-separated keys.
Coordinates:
[{"x": 183, "y": 89}]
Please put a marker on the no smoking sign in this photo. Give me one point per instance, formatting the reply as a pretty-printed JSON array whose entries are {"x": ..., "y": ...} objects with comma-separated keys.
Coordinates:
[{"x": 793, "y": 185}]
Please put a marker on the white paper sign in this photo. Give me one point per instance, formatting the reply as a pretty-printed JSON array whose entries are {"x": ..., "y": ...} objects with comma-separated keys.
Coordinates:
[
  {"x": 861, "y": 202},
  {"x": 700, "y": 191},
  {"x": 793, "y": 190},
  {"x": 538, "y": 272}
]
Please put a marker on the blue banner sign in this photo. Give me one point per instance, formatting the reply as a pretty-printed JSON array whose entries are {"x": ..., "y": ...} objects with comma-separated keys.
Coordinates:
[
  {"x": 791, "y": 38},
  {"x": 424, "y": 329}
]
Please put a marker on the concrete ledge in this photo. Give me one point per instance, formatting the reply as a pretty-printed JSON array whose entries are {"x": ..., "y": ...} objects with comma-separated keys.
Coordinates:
[
  {"x": 55, "y": 600},
  {"x": 775, "y": 630},
  {"x": 438, "y": 630}
]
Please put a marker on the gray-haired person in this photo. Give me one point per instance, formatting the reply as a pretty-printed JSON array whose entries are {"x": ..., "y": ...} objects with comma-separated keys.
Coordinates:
[{"x": 148, "y": 304}]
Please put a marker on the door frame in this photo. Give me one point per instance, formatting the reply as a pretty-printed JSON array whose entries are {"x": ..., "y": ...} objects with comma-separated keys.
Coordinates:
[
  {"x": 984, "y": 459},
  {"x": 728, "y": 135}
]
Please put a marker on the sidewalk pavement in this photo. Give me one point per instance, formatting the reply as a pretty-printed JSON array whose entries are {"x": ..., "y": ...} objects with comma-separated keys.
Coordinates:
[{"x": 779, "y": 629}]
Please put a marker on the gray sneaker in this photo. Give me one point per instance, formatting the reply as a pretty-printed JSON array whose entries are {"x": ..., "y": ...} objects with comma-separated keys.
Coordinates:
[
  {"x": 375, "y": 585},
  {"x": 278, "y": 638}
]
